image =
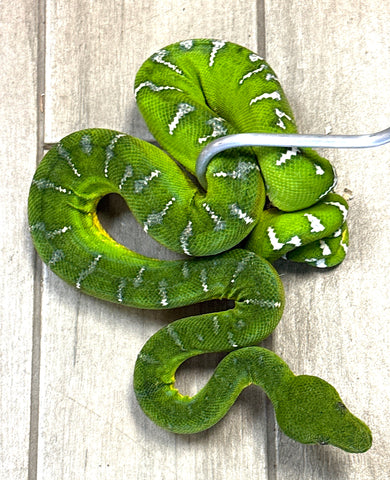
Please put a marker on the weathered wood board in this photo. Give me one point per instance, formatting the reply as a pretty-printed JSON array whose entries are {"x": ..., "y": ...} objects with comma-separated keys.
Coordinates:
[
  {"x": 18, "y": 141},
  {"x": 67, "y": 406}
]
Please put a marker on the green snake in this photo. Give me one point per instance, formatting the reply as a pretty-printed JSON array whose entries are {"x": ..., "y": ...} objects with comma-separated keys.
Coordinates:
[{"x": 261, "y": 204}]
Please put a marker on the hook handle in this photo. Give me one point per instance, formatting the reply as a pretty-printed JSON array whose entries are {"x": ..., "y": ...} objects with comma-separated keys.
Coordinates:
[{"x": 285, "y": 140}]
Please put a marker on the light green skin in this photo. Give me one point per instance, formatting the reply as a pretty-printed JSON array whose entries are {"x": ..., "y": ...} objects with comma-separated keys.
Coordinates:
[{"x": 215, "y": 81}]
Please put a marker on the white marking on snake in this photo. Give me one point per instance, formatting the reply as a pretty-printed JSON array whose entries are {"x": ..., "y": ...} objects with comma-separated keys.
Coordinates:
[
  {"x": 217, "y": 45},
  {"x": 325, "y": 248},
  {"x": 59, "y": 231},
  {"x": 253, "y": 57},
  {"x": 203, "y": 279},
  {"x": 315, "y": 223},
  {"x": 218, "y": 129},
  {"x": 185, "y": 270},
  {"x": 187, "y": 44},
  {"x": 292, "y": 152},
  {"x": 91, "y": 267},
  {"x": 153, "y": 87},
  {"x": 231, "y": 341},
  {"x": 343, "y": 209},
  {"x": 139, "y": 277},
  {"x": 281, "y": 115},
  {"x": 236, "y": 211},
  {"x": 184, "y": 237},
  {"x": 262, "y": 303},
  {"x": 63, "y": 153},
  {"x": 86, "y": 144},
  {"x": 240, "y": 324},
  {"x": 147, "y": 358},
  {"x": 140, "y": 184},
  {"x": 121, "y": 286},
  {"x": 253, "y": 72},
  {"x": 158, "y": 57},
  {"x": 219, "y": 223},
  {"x": 175, "y": 337},
  {"x": 270, "y": 77},
  {"x": 128, "y": 173},
  {"x": 337, "y": 233},
  {"x": 295, "y": 240},
  {"x": 344, "y": 246},
  {"x": 321, "y": 263},
  {"x": 216, "y": 325},
  {"x": 276, "y": 244},
  {"x": 44, "y": 184},
  {"x": 242, "y": 171},
  {"x": 264, "y": 96},
  {"x": 200, "y": 337},
  {"x": 39, "y": 226},
  {"x": 182, "y": 111},
  {"x": 310, "y": 260},
  {"x": 241, "y": 265},
  {"x": 331, "y": 187},
  {"x": 110, "y": 152},
  {"x": 162, "y": 290},
  {"x": 56, "y": 257},
  {"x": 157, "y": 218},
  {"x": 319, "y": 169}
]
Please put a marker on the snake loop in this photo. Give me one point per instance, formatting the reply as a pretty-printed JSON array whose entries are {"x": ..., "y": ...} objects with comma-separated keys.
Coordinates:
[{"x": 190, "y": 93}]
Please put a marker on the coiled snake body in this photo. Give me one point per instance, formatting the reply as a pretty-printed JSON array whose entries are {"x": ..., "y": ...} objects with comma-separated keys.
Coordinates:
[{"x": 190, "y": 93}]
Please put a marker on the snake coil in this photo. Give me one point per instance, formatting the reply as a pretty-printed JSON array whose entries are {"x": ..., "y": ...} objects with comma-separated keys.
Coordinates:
[{"x": 190, "y": 93}]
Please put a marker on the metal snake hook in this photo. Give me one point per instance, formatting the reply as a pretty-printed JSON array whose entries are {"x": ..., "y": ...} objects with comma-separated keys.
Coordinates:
[{"x": 285, "y": 140}]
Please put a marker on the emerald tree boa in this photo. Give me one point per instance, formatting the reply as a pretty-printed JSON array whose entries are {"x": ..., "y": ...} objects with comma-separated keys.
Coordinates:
[{"x": 261, "y": 204}]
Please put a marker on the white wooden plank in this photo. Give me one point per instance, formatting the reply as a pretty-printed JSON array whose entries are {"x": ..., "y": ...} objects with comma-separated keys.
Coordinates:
[
  {"x": 91, "y": 64},
  {"x": 90, "y": 424},
  {"x": 18, "y": 140},
  {"x": 332, "y": 58}
]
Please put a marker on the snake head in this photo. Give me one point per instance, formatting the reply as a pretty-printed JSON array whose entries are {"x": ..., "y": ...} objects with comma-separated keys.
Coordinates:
[{"x": 311, "y": 411}]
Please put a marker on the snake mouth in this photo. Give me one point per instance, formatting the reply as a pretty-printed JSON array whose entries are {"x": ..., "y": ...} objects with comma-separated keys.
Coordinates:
[
  {"x": 360, "y": 444},
  {"x": 358, "y": 441}
]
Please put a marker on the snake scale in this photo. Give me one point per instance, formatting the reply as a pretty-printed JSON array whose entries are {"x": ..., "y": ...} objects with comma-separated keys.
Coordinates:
[{"x": 261, "y": 204}]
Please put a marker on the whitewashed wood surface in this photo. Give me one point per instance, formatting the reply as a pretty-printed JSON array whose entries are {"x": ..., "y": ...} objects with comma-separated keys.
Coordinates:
[{"x": 67, "y": 410}]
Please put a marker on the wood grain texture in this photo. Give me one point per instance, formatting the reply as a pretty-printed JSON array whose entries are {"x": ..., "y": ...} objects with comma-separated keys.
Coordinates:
[
  {"x": 333, "y": 60},
  {"x": 95, "y": 50},
  {"x": 18, "y": 140}
]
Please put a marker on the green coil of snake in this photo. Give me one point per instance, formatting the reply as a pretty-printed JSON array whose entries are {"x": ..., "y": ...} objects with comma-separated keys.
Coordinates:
[{"x": 273, "y": 202}]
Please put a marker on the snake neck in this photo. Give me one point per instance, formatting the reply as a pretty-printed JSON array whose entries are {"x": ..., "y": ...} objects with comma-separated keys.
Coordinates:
[
  {"x": 267, "y": 371},
  {"x": 154, "y": 383}
]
